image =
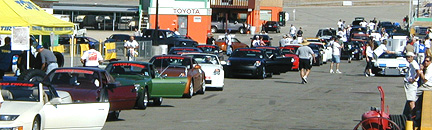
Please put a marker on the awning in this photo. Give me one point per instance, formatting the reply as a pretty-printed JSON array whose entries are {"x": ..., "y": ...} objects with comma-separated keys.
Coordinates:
[{"x": 22, "y": 13}]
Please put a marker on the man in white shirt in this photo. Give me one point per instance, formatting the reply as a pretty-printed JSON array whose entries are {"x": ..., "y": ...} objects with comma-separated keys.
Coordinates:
[
  {"x": 427, "y": 77},
  {"x": 410, "y": 81},
  {"x": 228, "y": 41},
  {"x": 339, "y": 24},
  {"x": 363, "y": 23},
  {"x": 335, "y": 55},
  {"x": 293, "y": 30},
  {"x": 381, "y": 49},
  {"x": 283, "y": 41},
  {"x": 91, "y": 58},
  {"x": 130, "y": 46}
]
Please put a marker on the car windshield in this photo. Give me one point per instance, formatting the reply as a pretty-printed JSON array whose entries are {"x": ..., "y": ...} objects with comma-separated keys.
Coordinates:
[
  {"x": 120, "y": 37},
  {"x": 209, "y": 49},
  {"x": 165, "y": 61},
  {"x": 74, "y": 77},
  {"x": 247, "y": 53},
  {"x": 385, "y": 55},
  {"x": 328, "y": 32},
  {"x": 127, "y": 69},
  {"x": 206, "y": 59},
  {"x": 17, "y": 91}
]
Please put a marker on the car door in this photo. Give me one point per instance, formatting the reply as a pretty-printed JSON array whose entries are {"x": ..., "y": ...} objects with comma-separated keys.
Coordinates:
[
  {"x": 166, "y": 86},
  {"x": 74, "y": 115},
  {"x": 121, "y": 97},
  {"x": 277, "y": 65},
  {"x": 196, "y": 75}
]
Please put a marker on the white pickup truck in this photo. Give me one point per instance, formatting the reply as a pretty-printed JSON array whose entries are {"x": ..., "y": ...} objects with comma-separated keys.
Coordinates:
[{"x": 78, "y": 32}]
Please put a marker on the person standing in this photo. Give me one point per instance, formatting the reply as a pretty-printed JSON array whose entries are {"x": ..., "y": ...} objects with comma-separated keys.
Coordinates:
[
  {"x": 283, "y": 41},
  {"x": 300, "y": 34},
  {"x": 409, "y": 46},
  {"x": 381, "y": 49},
  {"x": 339, "y": 24},
  {"x": 130, "y": 46},
  {"x": 427, "y": 76},
  {"x": 176, "y": 32},
  {"x": 369, "y": 58},
  {"x": 92, "y": 57},
  {"x": 335, "y": 55},
  {"x": 427, "y": 44},
  {"x": 292, "y": 30},
  {"x": 228, "y": 41},
  {"x": 305, "y": 54},
  {"x": 5, "y": 57},
  {"x": 210, "y": 39},
  {"x": 421, "y": 52},
  {"x": 49, "y": 60},
  {"x": 137, "y": 33},
  {"x": 410, "y": 81}
]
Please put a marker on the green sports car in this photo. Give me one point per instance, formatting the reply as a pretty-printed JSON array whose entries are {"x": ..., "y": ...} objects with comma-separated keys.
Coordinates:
[{"x": 148, "y": 83}]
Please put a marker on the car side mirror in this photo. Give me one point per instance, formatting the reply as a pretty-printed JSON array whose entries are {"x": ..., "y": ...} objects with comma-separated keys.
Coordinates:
[
  {"x": 56, "y": 101},
  {"x": 197, "y": 67},
  {"x": 111, "y": 85}
]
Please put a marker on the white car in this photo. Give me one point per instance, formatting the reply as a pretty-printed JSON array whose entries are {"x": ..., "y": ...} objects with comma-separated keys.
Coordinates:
[
  {"x": 32, "y": 106},
  {"x": 390, "y": 64},
  {"x": 212, "y": 68}
]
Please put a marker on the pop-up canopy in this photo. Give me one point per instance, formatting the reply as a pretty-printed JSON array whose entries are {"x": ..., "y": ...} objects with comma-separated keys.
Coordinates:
[{"x": 24, "y": 13}]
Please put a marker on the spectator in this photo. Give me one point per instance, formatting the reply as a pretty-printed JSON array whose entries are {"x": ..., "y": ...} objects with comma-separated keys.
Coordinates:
[
  {"x": 305, "y": 54},
  {"x": 228, "y": 42},
  {"x": 409, "y": 46},
  {"x": 300, "y": 34},
  {"x": 335, "y": 55},
  {"x": 427, "y": 43},
  {"x": 176, "y": 31},
  {"x": 283, "y": 41},
  {"x": 130, "y": 46},
  {"x": 92, "y": 57},
  {"x": 262, "y": 43},
  {"x": 49, "y": 60},
  {"x": 5, "y": 57},
  {"x": 369, "y": 58},
  {"x": 363, "y": 23},
  {"x": 295, "y": 41},
  {"x": 292, "y": 30},
  {"x": 410, "y": 81},
  {"x": 421, "y": 52},
  {"x": 256, "y": 41},
  {"x": 137, "y": 33},
  {"x": 427, "y": 76},
  {"x": 381, "y": 49},
  {"x": 340, "y": 24},
  {"x": 289, "y": 39},
  {"x": 210, "y": 40}
]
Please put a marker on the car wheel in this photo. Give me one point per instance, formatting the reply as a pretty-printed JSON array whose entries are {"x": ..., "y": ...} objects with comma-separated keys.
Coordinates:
[
  {"x": 32, "y": 75},
  {"x": 242, "y": 30},
  {"x": 157, "y": 101},
  {"x": 36, "y": 124},
  {"x": 114, "y": 115},
  {"x": 143, "y": 100},
  {"x": 203, "y": 87},
  {"x": 190, "y": 94},
  {"x": 263, "y": 75},
  {"x": 213, "y": 29}
]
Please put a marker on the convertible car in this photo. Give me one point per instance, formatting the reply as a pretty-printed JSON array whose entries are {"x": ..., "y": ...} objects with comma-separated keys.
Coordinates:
[
  {"x": 32, "y": 106},
  {"x": 251, "y": 62},
  {"x": 87, "y": 84},
  {"x": 212, "y": 49},
  {"x": 182, "y": 66},
  {"x": 390, "y": 64},
  {"x": 147, "y": 81},
  {"x": 213, "y": 69},
  {"x": 283, "y": 62}
]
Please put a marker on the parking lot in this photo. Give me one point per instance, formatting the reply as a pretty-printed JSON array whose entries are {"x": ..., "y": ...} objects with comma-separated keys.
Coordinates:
[{"x": 327, "y": 102}]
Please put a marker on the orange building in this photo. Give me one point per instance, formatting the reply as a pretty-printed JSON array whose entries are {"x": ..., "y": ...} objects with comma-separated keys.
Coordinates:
[
  {"x": 253, "y": 12},
  {"x": 189, "y": 17}
]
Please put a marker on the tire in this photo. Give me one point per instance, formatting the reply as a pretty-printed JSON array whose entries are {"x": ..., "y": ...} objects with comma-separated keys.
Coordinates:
[
  {"x": 36, "y": 124},
  {"x": 143, "y": 99},
  {"x": 203, "y": 87},
  {"x": 60, "y": 58},
  {"x": 400, "y": 120},
  {"x": 213, "y": 29},
  {"x": 157, "y": 101},
  {"x": 32, "y": 75},
  {"x": 263, "y": 74},
  {"x": 113, "y": 115},
  {"x": 242, "y": 30},
  {"x": 190, "y": 94}
]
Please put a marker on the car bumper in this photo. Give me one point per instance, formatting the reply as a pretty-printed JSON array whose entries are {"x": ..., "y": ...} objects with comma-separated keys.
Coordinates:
[
  {"x": 392, "y": 71},
  {"x": 215, "y": 81},
  {"x": 242, "y": 70}
]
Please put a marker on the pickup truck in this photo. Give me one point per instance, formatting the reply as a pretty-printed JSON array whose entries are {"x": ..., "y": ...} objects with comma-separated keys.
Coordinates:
[
  {"x": 232, "y": 25},
  {"x": 166, "y": 37}
]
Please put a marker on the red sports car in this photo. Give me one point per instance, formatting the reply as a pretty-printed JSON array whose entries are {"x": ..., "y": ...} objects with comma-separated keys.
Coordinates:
[{"x": 290, "y": 51}]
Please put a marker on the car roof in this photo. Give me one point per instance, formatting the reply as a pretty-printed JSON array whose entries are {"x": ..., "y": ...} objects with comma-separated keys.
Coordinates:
[
  {"x": 171, "y": 56},
  {"x": 267, "y": 47},
  {"x": 135, "y": 62}
]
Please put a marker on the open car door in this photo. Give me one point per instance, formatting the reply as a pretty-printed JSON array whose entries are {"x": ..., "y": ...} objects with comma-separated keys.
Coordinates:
[{"x": 167, "y": 86}]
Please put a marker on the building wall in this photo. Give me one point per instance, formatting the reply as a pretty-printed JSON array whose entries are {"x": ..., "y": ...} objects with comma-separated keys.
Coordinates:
[{"x": 271, "y": 3}]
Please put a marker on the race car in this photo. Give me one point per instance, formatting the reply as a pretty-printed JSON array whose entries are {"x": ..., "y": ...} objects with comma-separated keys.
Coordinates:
[
  {"x": 390, "y": 64},
  {"x": 212, "y": 68}
]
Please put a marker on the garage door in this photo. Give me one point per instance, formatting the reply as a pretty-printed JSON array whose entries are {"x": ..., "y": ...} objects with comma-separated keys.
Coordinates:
[{"x": 265, "y": 15}]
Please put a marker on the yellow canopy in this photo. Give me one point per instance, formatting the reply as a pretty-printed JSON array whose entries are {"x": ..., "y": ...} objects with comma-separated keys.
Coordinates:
[{"x": 22, "y": 13}]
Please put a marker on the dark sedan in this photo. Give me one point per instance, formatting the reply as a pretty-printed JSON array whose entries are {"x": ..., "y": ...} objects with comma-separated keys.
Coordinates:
[
  {"x": 271, "y": 26},
  {"x": 118, "y": 38},
  {"x": 87, "y": 84},
  {"x": 352, "y": 50},
  {"x": 250, "y": 62},
  {"x": 275, "y": 54}
]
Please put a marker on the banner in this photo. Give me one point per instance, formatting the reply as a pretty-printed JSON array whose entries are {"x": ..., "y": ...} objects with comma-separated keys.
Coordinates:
[
  {"x": 59, "y": 48},
  {"x": 110, "y": 51},
  {"x": 83, "y": 48}
]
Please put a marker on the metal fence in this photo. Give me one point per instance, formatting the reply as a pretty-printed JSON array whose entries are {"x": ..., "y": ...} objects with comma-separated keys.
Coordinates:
[{"x": 144, "y": 50}]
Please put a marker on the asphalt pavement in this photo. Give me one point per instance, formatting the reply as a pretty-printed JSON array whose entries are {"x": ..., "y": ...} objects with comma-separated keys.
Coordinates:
[{"x": 327, "y": 102}]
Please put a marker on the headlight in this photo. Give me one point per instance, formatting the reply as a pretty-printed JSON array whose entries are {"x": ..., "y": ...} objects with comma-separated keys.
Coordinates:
[
  {"x": 182, "y": 75},
  {"x": 216, "y": 72},
  {"x": 382, "y": 65},
  {"x": 292, "y": 59},
  {"x": 228, "y": 62},
  {"x": 8, "y": 117},
  {"x": 137, "y": 86},
  {"x": 257, "y": 63}
]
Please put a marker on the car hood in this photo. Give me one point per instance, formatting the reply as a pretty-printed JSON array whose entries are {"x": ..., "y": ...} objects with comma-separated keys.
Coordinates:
[
  {"x": 209, "y": 68},
  {"x": 19, "y": 107},
  {"x": 391, "y": 62}
]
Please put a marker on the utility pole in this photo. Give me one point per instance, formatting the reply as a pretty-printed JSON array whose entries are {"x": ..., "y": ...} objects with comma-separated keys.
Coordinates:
[{"x": 156, "y": 35}]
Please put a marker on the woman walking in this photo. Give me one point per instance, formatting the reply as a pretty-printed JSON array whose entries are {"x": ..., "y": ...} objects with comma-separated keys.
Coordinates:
[{"x": 369, "y": 58}]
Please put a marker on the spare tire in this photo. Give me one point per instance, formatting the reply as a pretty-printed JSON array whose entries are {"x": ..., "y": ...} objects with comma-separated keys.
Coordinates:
[
  {"x": 60, "y": 58},
  {"x": 32, "y": 75}
]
